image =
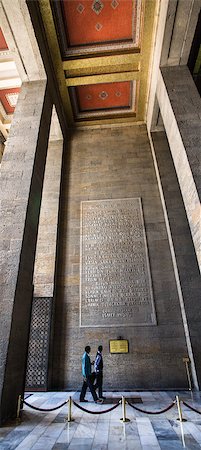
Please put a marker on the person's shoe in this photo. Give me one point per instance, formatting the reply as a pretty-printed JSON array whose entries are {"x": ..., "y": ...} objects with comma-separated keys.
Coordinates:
[
  {"x": 83, "y": 400},
  {"x": 102, "y": 398},
  {"x": 99, "y": 401}
]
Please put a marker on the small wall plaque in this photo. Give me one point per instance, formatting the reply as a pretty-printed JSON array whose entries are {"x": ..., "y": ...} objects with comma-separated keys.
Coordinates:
[{"x": 119, "y": 346}]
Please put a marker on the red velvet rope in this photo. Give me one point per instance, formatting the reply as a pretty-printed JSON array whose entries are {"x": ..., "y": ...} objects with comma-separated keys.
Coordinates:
[
  {"x": 95, "y": 412},
  {"x": 191, "y": 407},
  {"x": 151, "y": 412},
  {"x": 45, "y": 410}
]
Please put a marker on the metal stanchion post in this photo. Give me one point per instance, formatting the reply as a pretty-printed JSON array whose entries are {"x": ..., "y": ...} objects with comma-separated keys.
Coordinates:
[
  {"x": 180, "y": 418},
  {"x": 18, "y": 407},
  {"x": 69, "y": 418},
  {"x": 124, "y": 418},
  {"x": 186, "y": 361}
]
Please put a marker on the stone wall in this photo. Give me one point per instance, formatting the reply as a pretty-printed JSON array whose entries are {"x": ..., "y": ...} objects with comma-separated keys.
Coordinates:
[
  {"x": 186, "y": 260},
  {"x": 115, "y": 164},
  {"x": 45, "y": 260},
  {"x": 180, "y": 107}
]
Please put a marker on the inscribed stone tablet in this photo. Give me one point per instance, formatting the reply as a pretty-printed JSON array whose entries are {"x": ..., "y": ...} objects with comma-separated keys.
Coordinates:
[{"x": 115, "y": 281}]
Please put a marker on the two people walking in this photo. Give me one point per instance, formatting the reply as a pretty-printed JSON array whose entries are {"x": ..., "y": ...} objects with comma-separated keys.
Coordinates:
[{"x": 88, "y": 376}]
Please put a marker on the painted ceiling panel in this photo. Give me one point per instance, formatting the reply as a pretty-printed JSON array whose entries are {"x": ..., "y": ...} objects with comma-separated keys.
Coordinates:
[
  {"x": 97, "y": 26},
  {"x": 104, "y": 100},
  {"x": 95, "y": 21},
  {"x": 3, "y": 45},
  {"x": 8, "y": 98},
  {"x": 104, "y": 96}
]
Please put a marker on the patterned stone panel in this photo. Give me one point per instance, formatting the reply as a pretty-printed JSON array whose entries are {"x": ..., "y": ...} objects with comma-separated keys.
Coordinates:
[
  {"x": 115, "y": 276},
  {"x": 37, "y": 364}
]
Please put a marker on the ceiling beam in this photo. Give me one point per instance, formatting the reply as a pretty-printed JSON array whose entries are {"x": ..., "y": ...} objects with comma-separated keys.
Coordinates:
[
  {"x": 103, "y": 78},
  {"x": 8, "y": 83},
  {"x": 3, "y": 130},
  {"x": 48, "y": 22},
  {"x": 103, "y": 64},
  {"x": 148, "y": 36}
]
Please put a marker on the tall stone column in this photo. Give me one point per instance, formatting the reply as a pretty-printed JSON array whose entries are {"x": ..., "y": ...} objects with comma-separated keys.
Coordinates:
[{"x": 22, "y": 172}]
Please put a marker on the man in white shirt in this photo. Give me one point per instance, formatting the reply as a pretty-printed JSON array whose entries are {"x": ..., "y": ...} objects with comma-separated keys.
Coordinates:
[{"x": 98, "y": 369}]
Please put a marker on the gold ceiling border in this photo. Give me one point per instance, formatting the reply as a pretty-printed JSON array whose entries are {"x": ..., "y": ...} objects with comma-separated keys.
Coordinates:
[
  {"x": 148, "y": 22},
  {"x": 102, "y": 64}
]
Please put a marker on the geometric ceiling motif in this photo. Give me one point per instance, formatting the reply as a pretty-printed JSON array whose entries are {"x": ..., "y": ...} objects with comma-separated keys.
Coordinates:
[
  {"x": 12, "y": 99},
  {"x": 88, "y": 26},
  {"x": 82, "y": 20},
  {"x": 8, "y": 98},
  {"x": 103, "y": 99},
  {"x": 104, "y": 95}
]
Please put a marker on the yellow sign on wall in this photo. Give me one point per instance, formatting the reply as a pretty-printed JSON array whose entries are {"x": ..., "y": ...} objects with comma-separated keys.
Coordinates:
[{"x": 119, "y": 346}]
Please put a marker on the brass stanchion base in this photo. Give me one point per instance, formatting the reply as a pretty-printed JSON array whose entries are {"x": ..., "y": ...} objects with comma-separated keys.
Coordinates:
[
  {"x": 69, "y": 417},
  {"x": 19, "y": 404},
  {"x": 18, "y": 420},
  {"x": 124, "y": 420}
]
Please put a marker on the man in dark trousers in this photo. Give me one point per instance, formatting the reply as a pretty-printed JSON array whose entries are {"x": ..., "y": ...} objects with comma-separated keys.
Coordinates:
[
  {"x": 87, "y": 377},
  {"x": 98, "y": 368}
]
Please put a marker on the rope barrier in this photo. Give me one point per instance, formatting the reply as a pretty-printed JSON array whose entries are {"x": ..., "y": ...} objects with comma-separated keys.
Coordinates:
[
  {"x": 97, "y": 412},
  {"x": 151, "y": 412},
  {"x": 43, "y": 409},
  {"x": 109, "y": 409},
  {"x": 191, "y": 407}
]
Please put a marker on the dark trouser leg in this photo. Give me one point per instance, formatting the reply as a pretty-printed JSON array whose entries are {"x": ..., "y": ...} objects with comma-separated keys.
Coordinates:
[
  {"x": 83, "y": 391},
  {"x": 91, "y": 387},
  {"x": 100, "y": 384}
]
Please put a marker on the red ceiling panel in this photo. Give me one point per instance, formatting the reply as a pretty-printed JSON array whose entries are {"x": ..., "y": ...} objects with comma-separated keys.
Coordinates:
[
  {"x": 104, "y": 96},
  {"x": 8, "y": 98},
  {"x": 3, "y": 45},
  {"x": 98, "y": 21},
  {"x": 104, "y": 100}
]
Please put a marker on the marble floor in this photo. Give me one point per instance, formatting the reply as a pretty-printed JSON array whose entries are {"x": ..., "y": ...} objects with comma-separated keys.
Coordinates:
[{"x": 50, "y": 430}]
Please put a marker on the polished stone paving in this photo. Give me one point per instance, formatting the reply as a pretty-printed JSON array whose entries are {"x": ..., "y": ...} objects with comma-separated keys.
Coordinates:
[{"x": 50, "y": 430}]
